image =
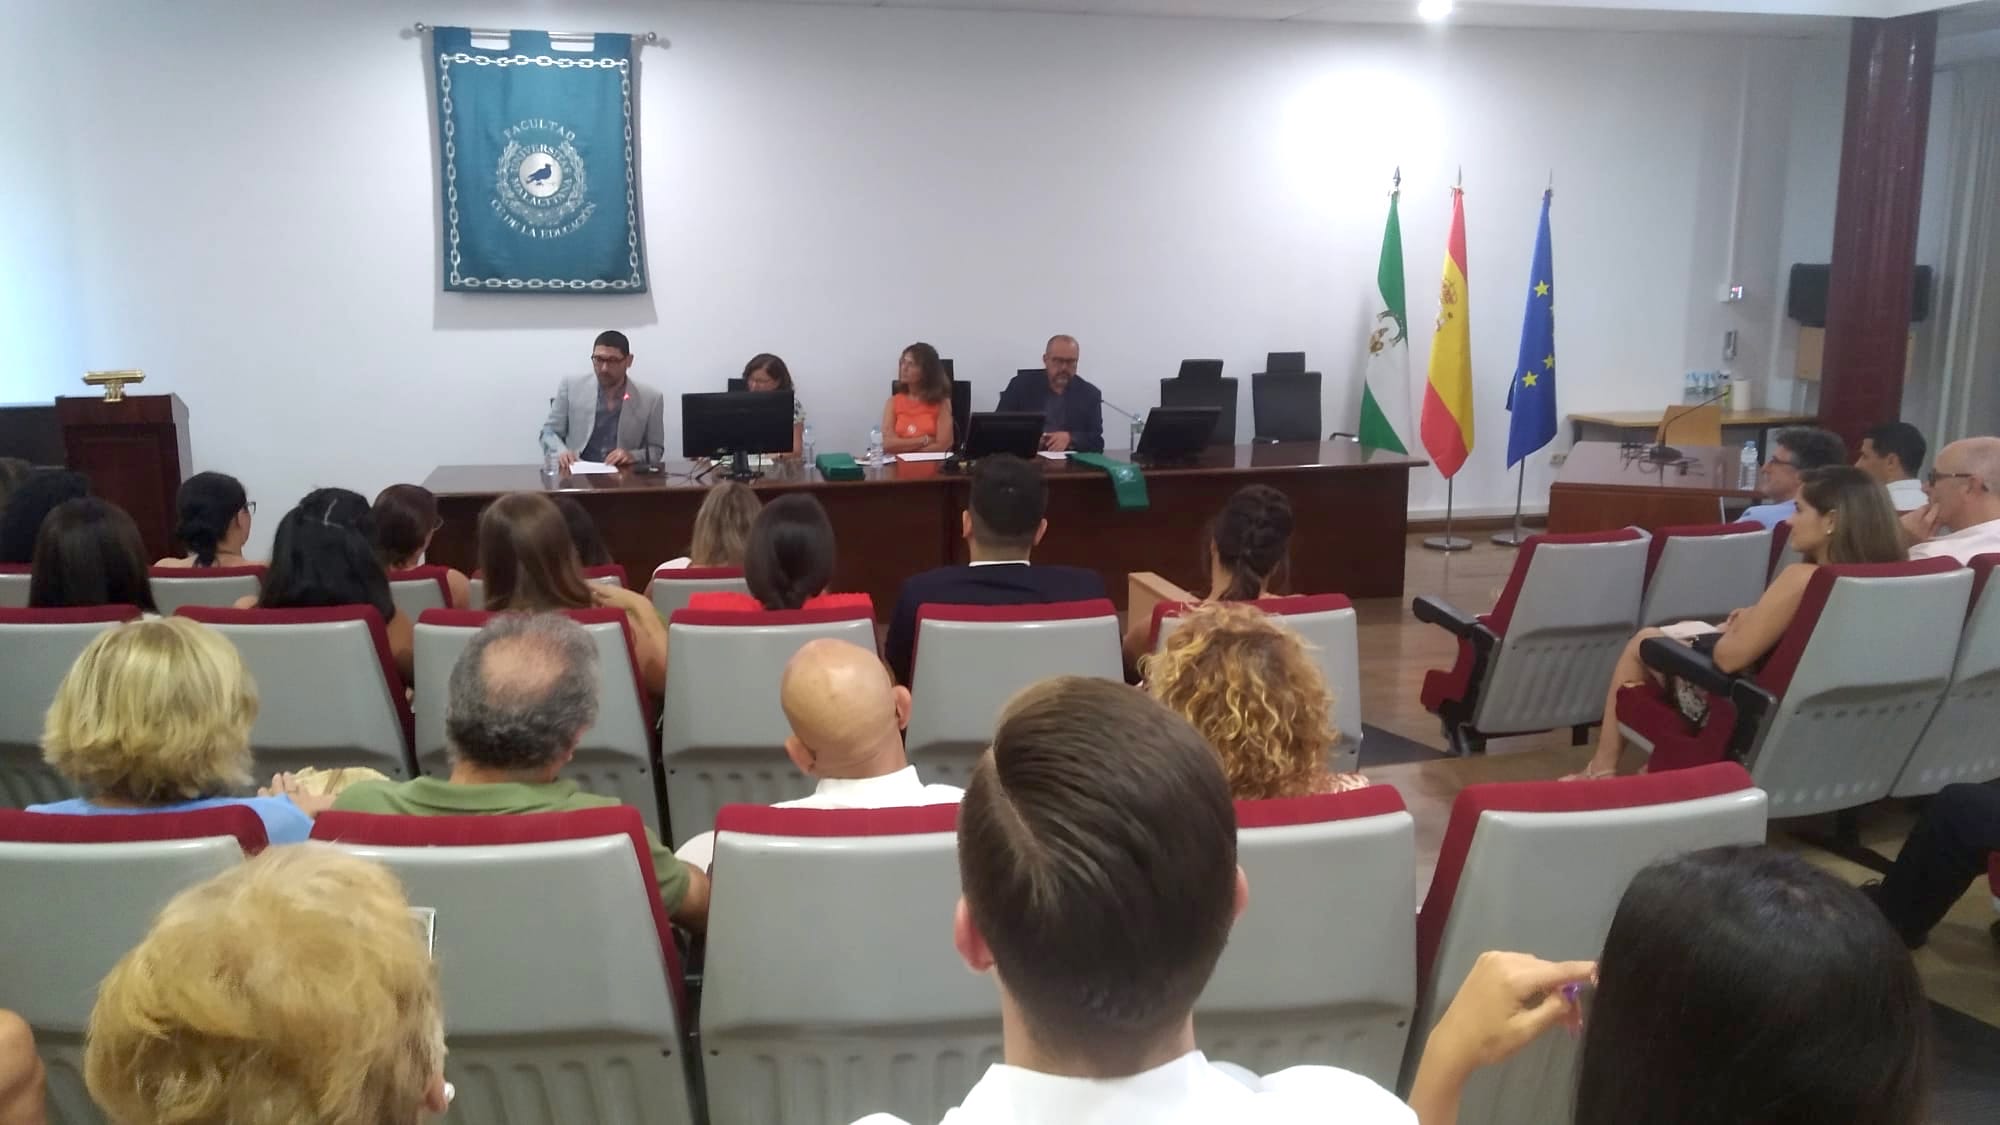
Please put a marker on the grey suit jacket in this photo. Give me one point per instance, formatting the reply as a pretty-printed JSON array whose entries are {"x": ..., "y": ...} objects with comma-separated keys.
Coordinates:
[{"x": 642, "y": 424}]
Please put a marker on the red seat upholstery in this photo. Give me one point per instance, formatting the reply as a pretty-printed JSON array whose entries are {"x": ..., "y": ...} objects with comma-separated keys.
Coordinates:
[
  {"x": 69, "y": 615},
  {"x": 239, "y": 821}
]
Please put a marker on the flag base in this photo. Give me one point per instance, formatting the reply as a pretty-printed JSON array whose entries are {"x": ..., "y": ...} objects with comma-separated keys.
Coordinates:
[
  {"x": 1448, "y": 543},
  {"x": 1512, "y": 537}
]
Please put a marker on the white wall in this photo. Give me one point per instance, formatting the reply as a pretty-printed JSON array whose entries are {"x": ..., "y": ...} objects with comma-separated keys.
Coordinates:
[{"x": 246, "y": 207}]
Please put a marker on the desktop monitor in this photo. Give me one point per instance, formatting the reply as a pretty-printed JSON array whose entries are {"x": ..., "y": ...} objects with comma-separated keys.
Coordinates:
[
  {"x": 1015, "y": 432},
  {"x": 1175, "y": 435},
  {"x": 735, "y": 425}
]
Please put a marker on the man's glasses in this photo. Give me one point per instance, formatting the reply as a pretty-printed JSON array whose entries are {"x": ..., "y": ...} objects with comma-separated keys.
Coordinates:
[
  {"x": 1931, "y": 478},
  {"x": 1774, "y": 459}
]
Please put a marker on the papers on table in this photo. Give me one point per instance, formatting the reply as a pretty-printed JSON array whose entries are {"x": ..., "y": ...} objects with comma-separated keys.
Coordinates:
[
  {"x": 588, "y": 468},
  {"x": 922, "y": 456},
  {"x": 1053, "y": 456}
]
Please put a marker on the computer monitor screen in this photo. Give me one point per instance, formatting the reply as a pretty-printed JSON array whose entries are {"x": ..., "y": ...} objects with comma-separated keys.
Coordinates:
[
  {"x": 1015, "y": 432},
  {"x": 1175, "y": 434},
  {"x": 742, "y": 422}
]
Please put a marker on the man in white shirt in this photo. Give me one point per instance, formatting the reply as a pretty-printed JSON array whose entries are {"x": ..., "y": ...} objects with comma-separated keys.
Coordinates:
[
  {"x": 847, "y": 730},
  {"x": 1097, "y": 861},
  {"x": 1962, "y": 519},
  {"x": 1893, "y": 453}
]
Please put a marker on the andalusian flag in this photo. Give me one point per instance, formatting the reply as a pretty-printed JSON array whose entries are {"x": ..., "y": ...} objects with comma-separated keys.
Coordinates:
[
  {"x": 1385, "y": 392},
  {"x": 1447, "y": 419}
]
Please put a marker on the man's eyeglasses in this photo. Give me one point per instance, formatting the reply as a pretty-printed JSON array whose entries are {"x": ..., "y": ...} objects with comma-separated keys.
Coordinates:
[
  {"x": 1774, "y": 459},
  {"x": 1931, "y": 478}
]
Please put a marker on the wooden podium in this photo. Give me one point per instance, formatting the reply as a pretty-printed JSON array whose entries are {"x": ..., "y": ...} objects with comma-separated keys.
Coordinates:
[
  {"x": 1602, "y": 488},
  {"x": 135, "y": 452}
]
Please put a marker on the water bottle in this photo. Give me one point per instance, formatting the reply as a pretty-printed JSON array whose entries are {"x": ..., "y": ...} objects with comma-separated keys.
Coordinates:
[
  {"x": 806, "y": 446},
  {"x": 551, "y": 464},
  {"x": 1747, "y": 465},
  {"x": 874, "y": 451}
]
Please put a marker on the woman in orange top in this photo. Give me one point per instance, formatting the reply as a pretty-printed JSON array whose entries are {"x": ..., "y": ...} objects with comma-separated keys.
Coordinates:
[
  {"x": 787, "y": 564},
  {"x": 917, "y": 418}
]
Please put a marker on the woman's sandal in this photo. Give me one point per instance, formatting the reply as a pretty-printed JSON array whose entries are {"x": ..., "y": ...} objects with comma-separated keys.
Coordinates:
[{"x": 1587, "y": 774}]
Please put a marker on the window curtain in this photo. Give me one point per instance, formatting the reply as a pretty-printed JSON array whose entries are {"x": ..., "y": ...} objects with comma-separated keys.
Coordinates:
[{"x": 1967, "y": 369}]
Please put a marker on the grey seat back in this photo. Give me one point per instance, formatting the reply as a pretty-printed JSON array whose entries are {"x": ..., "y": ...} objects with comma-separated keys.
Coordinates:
[
  {"x": 1958, "y": 744},
  {"x": 174, "y": 588},
  {"x": 1577, "y": 606},
  {"x": 14, "y": 588},
  {"x": 476, "y": 587},
  {"x": 1704, "y": 577},
  {"x": 37, "y": 648},
  {"x": 415, "y": 595},
  {"x": 671, "y": 589}
]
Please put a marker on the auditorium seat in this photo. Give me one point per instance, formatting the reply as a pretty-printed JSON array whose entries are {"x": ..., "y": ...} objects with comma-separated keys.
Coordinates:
[
  {"x": 1321, "y": 969},
  {"x": 1704, "y": 572},
  {"x": 832, "y": 989},
  {"x": 77, "y": 893},
  {"x": 14, "y": 578},
  {"x": 176, "y": 586},
  {"x": 328, "y": 691},
  {"x": 476, "y": 585},
  {"x": 563, "y": 994},
  {"x": 1541, "y": 658},
  {"x": 1834, "y": 712},
  {"x": 617, "y": 757},
  {"x": 37, "y": 647},
  {"x": 671, "y": 589},
  {"x": 1783, "y": 554},
  {"x": 1327, "y": 624},
  {"x": 1539, "y": 867},
  {"x": 420, "y": 588},
  {"x": 969, "y": 660},
  {"x": 723, "y": 732},
  {"x": 1959, "y": 744}
]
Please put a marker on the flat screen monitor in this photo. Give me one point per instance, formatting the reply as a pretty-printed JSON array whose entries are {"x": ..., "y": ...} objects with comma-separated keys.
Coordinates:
[
  {"x": 1175, "y": 435},
  {"x": 1015, "y": 432},
  {"x": 736, "y": 425}
]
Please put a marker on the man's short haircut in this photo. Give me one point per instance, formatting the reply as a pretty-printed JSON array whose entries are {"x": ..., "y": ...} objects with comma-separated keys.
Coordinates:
[
  {"x": 1058, "y": 338},
  {"x": 537, "y": 708},
  {"x": 1812, "y": 447},
  {"x": 1097, "y": 853},
  {"x": 612, "y": 338},
  {"x": 1009, "y": 496},
  {"x": 1901, "y": 439}
]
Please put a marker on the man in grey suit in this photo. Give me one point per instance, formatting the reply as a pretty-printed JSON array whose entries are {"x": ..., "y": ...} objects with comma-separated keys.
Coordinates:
[{"x": 605, "y": 416}]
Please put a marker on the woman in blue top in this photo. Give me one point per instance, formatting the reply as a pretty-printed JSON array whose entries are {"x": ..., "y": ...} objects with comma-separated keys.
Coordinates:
[{"x": 155, "y": 717}]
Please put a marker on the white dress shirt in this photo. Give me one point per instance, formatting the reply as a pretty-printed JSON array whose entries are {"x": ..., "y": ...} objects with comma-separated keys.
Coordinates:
[
  {"x": 1189, "y": 1090},
  {"x": 1907, "y": 494},
  {"x": 1979, "y": 539},
  {"x": 896, "y": 790}
]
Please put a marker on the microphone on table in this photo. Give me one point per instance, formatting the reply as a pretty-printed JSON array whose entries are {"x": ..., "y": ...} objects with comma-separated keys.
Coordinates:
[{"x": 1664, "y": 454}]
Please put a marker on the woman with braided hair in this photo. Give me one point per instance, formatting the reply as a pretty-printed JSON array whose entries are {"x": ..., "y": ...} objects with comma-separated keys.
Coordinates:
[{"x": 1247, "y": 552}]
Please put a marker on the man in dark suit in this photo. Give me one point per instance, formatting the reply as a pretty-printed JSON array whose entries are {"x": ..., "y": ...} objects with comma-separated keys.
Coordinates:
[
  {"x": 1003, "y": 525},
  {"x": 1072, "y": 409}
]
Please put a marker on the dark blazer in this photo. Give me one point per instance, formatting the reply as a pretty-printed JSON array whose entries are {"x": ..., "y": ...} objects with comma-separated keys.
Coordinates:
[
  {"x": 1082, "y": 407},
  {"x": 1010, "y": 584}
]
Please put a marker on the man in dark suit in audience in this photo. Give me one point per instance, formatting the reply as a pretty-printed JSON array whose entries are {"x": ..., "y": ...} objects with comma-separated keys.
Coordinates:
[
  {"x": 1004, "y": 524},
  {"x": 1946, "y": 851},
  {"x": 1072, "y": 409}
]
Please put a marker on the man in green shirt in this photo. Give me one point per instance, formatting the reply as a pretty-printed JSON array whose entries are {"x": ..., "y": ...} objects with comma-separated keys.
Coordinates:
[{"x": 521, "y": 697}]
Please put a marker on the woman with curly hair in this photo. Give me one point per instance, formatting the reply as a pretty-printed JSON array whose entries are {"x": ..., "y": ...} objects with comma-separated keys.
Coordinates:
[{"x": 1251, "y": 688}]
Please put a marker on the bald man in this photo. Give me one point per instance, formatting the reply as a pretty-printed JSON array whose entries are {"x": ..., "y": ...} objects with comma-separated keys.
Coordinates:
[
  {"x": 1072, "y": 408},
  {"x": 1962, "y": 519},
  {"x": 847, "y": 721}
]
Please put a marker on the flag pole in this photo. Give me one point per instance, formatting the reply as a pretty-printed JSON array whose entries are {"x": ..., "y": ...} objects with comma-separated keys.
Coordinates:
[
  {"x": 1514, "y": 537},
  {"x": 1448, "y": 541}
]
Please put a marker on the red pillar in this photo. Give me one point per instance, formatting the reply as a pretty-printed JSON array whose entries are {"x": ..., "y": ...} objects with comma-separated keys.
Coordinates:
[{"x": 1875, "y": 222}]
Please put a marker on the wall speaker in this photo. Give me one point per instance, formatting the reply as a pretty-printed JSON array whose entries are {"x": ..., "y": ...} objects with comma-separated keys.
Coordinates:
[{"x": 1805, "y": 298}]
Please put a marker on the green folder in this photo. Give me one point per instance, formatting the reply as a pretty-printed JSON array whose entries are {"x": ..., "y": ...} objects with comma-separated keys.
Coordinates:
[
  {"x": 837, "y": 466},
  {"x": 1127, "y": 483}
]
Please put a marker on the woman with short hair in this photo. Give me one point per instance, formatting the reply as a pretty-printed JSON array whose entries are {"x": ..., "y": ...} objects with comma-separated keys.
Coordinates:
[
  {"x": 721, "y": 528},
  {"x": 788, "y": 563},
  {"x": 406, "y": 519},
  {"x": 89, "y": 554},
  {"x": 766, "y": 372}
]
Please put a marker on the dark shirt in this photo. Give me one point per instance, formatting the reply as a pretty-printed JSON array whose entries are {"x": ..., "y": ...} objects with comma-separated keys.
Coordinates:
[
  {"x": 1078, "y": 411},
  {"x": 999, "y": 584},
  {"x": 604, "y": 432}
]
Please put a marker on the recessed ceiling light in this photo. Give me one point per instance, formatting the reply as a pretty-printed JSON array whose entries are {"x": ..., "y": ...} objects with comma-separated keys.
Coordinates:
[{"x": 1434, "y": 10}]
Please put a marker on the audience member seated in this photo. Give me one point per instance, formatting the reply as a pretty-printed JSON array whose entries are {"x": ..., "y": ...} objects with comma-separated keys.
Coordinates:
[
  {"x": 917, "y": 418},
  {"x": 155, "y": 716},
  {"x": 321, "y": 556},
  {"x": 1893, "y": 453},
  {"x": 787, "y": 564},
  {"x": 1097, "y": 857},
  {"x": 406, "y": 517},
  {"x": 29, "y": 503},
  {"x": 521, "y": 696},
  {"x": 13, "y": 471},
  {"x": 1841, "y": 515},
  {"x": 88, "y": 554},
  {"x": 213, "y": 521},
  {"x": 766, "y": 372},
  {"x": 589, "y": 542},
  {"x": 1795, "y": 450},
  {"x": 1249, "y": 686},
  {"x": 21, "y": 1074},
  {"x": 1003, "y": 524},
  {"x": 1946, "y": 851},
  {"x": 294, "y": 988},
  {"x": 847, "y": 723},
  {"x": 1247, "y": 550},
  {"x": 530, "y": 564},
  {"x": 1962, "y": 519},
  {"x": 1738, "y": 986},
  {"x": 721, "y": 528}
]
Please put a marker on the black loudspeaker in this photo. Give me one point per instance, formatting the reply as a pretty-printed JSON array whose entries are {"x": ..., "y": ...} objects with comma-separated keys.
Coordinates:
[{"x": 1805, "y": 296}]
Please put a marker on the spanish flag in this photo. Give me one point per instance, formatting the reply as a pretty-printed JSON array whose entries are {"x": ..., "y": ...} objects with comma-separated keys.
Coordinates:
[{"x": 1447, "y": 419}]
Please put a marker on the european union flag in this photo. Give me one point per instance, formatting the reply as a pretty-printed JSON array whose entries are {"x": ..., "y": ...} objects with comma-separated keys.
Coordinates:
[{"x": 1531, "y": 397}]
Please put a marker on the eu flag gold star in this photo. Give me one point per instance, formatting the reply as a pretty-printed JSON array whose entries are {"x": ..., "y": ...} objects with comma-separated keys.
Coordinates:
[
  {"x": 1549, "y": 362},
  {"x": 1541, "y": 288},
  {"x": 1527, "y": 378}
]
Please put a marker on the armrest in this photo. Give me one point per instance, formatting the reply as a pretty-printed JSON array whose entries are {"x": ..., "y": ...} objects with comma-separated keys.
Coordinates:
[
  {"x": 1437, "y": 611},
  {"x": 1751, "y": 700}
]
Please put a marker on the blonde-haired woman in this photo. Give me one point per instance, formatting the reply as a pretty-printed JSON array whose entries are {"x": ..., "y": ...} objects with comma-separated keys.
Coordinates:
[
  {"x": 292, "y": 990},
  {"x": 155, "y": 716},
  {"x": 1251, "y": 688},
  {"x": 721, "y": 527}
]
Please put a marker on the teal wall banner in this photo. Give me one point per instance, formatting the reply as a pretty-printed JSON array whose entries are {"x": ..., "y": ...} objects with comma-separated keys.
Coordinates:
[{"x": 540, "y": 165}]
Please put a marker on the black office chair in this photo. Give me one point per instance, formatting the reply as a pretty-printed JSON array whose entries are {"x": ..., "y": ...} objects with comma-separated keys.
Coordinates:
[
  {"x": 1200, "y": 369},
  {"x": 739, "y": 384},
  {"x": 1283, "y": 363},
  {"x": 1219, "y": 393},
  {"x": 1284, "y": 405}
]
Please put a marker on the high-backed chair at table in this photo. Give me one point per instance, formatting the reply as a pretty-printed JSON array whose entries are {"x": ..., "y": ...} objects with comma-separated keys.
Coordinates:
[
  {"x": 618, "y": 757},
  {"x": 722, "y": 738},
  {"x": 670, "y": 590},
  {"x": 1539, "y": 867},
  {"x": 328, "y": 690},
  {"x": 832, "y": 989},
  {"x": 14, "y": 580},
  {"x": 76, "y": 894},
  {"x": 1219, "y": 392},
  {"x": 176, "y": 586},
  {"x": 1284, "y": 362},
  {"x": 1831, "y": 717},
  {"x": 1702, "y": 573},
  {"x": 563, "y": 994},
  {"x": 1541, "y": 659},
  {"x": 1285, "y": 405},
  {"x": 612, "y": 574},
  {"x": 420, "y": 588},
  {"x": 37, "y": 647},
  {"x": 1321, "y": 969},
  {"x": 1199, "y": 369},
  {"x": 971, "y": 659},
  {"x": 1327, "y": 624},
  {"x": 1959, "y": 743}
]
